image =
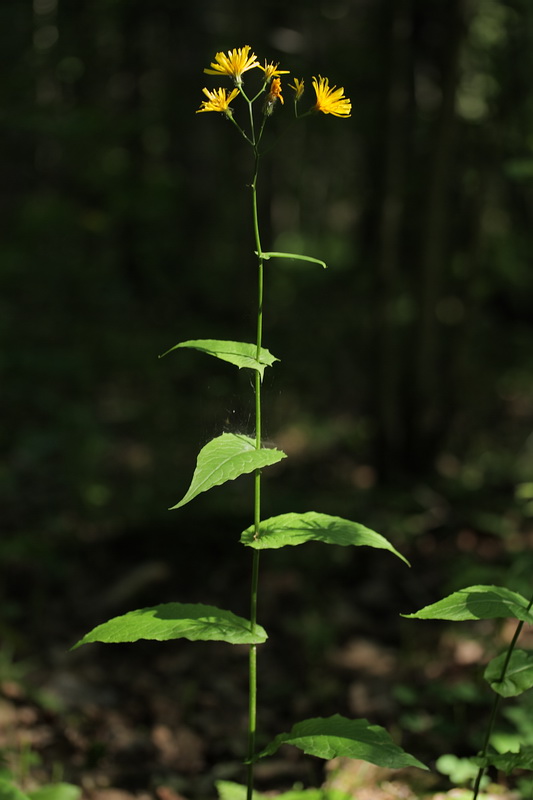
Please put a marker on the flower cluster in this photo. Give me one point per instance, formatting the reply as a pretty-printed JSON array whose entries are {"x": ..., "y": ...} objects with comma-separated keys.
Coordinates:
[{"x": 234, "y": 63}]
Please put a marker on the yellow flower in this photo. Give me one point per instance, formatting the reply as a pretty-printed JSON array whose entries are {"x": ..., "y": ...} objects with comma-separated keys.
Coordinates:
[
  {"x": 217, "y": 100},
  {"x": 298, "y": 88},
  {"x": 275, "y": 91},
  {"x": 272, "y": 71},
  {"x": 330, "y": 101},
  {"x": 273, "y": 95},
  {"x": 233, "y": 64}
]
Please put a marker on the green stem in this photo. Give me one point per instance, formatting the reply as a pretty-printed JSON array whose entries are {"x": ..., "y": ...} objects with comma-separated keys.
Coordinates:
[
  {"x": 252, "y": 667},
  {"x": 496, "y": 704}
]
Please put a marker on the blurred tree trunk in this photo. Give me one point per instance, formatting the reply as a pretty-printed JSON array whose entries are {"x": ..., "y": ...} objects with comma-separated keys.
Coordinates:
[
  {"x": 399, "y": 92},
  {"x": 431, "y": 378}
]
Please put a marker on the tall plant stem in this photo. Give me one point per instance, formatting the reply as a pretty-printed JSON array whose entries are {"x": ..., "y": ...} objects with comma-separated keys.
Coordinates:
[
  {"x": 496, "y": 703},
  {"x": 252, "y": 668}
]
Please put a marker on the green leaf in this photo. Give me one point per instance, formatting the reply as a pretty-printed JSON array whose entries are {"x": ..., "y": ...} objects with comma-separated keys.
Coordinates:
[
  {"x": 8, "y": 791},
  {"x": 293, "y": 256},
  {"x": 353, "y": 738},
  {"x": 518, "y": 676},
  {"x": 227, "y": 790},
  {"x": 176, "y": 621},
  {"x": 293, "y": 529},
  {"x": 477, "y": 602},
  {"x": 459, "y": 770},
  {"x": 508, "y": 761},
  {"x": 241, "y": 354},
  {"x": 224, "y": 459},
  {"x": 56, "y": 791}
]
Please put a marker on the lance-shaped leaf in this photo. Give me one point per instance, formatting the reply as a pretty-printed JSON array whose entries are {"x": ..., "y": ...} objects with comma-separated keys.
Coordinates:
[
  {"x": 241, "y": 354},
  {"x": 518, "y": 675},
  {"x": 335, "y": 736},
  {"x": 224, "y": 459},
  {"x": 196, "y": 622},
  {"x": 508, "y": 761},
  {"x": 293, "y": 529},
  {"x": 477, "y": 602},
  {"x": 293, "y": 257}
]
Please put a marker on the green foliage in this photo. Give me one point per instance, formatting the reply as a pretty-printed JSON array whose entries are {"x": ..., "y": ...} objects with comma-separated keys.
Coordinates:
[
  {"x": 509, "y": 674},
  {"x": 293, "y": 529},
  {"x": 294, "y": 257},
  {"x": 195, "y": 622},
  {"x": 8, "y": 791},
  {"x": 337, "y": 736},
  {"x": 508, "y": 762},
  {"x": 227, "y": 790},
  {"x": 459, "y": 770},
  {"x": 518, "y": 677},
  {"x": 226, "y": 458},
  {"x": 477, "y": 602},
  {"x": 54, "y": 791},
  {"x": 241, "y": 354}
]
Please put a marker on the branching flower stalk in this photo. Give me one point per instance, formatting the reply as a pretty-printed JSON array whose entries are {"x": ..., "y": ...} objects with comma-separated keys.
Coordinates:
[
  {"x": 230, "y": 455},
  {"x": 329, "y": 101}
]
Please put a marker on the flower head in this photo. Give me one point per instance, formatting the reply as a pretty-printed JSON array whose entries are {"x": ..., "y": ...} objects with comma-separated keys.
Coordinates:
[
  {"x": 273, "y": 95},
  {"x": 298, "y": 88},
  {"x": 272, "y": 71},
  {"x": 330, "y": 100},
  {"x": 233, "y": 64},
  {"x": 218, "y": 100}
]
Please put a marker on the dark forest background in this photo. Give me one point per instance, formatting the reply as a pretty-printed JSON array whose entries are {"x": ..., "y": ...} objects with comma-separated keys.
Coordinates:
[{"x": 404, "y": 395}]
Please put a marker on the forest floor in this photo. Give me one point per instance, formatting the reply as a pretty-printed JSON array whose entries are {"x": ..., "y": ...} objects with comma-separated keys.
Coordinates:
[{"x": 167, "y": 721}]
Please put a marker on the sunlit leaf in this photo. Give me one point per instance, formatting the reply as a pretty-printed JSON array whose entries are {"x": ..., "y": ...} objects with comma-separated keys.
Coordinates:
[
  {"x": 241, "y": 354},
  {"x": 224, "y": 459},
  {"x": 459, "y": 770},
  {"x": 336, "y": 736},
  {"x": 507, "y": 762},
  {"x": 196, "y": 622},
  {"x": 477, "y": 602},
  {"x": 518, "y": 675},
  {"x": 227, "y": 790},
  {"x": 293, "y": 529},
  {"x": 294, "y": 257},
  {"x": 55, "y": 791}
]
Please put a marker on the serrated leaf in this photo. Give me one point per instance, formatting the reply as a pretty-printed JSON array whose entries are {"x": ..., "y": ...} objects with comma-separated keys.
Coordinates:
[
  {"x": 336, "y": 736},
  {"x": 477, "y": 602},
  {"x": 56, "y": 791},
  {"x": 508, "y": 761},
  {"x": 8, "y": 791},
  {"x": 518, "y": 675},
  {"x": 224, "y": 459},
  {"x": 293, "y": 529},
  {"x": 193, "y": 621},
  {"x": 241, "y": 354}
]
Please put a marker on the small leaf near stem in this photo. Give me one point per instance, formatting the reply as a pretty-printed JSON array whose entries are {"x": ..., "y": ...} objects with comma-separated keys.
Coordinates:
[{"x": 295, "y": 256}]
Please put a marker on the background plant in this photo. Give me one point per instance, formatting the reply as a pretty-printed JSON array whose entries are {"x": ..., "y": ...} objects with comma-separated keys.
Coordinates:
[
  {"x": 509, "y": 674},
  {"x": 231, "y": 455}
]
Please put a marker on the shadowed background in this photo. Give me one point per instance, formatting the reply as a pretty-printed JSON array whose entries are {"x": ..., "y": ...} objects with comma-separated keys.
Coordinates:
[{"x": 404, "y": 395}]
